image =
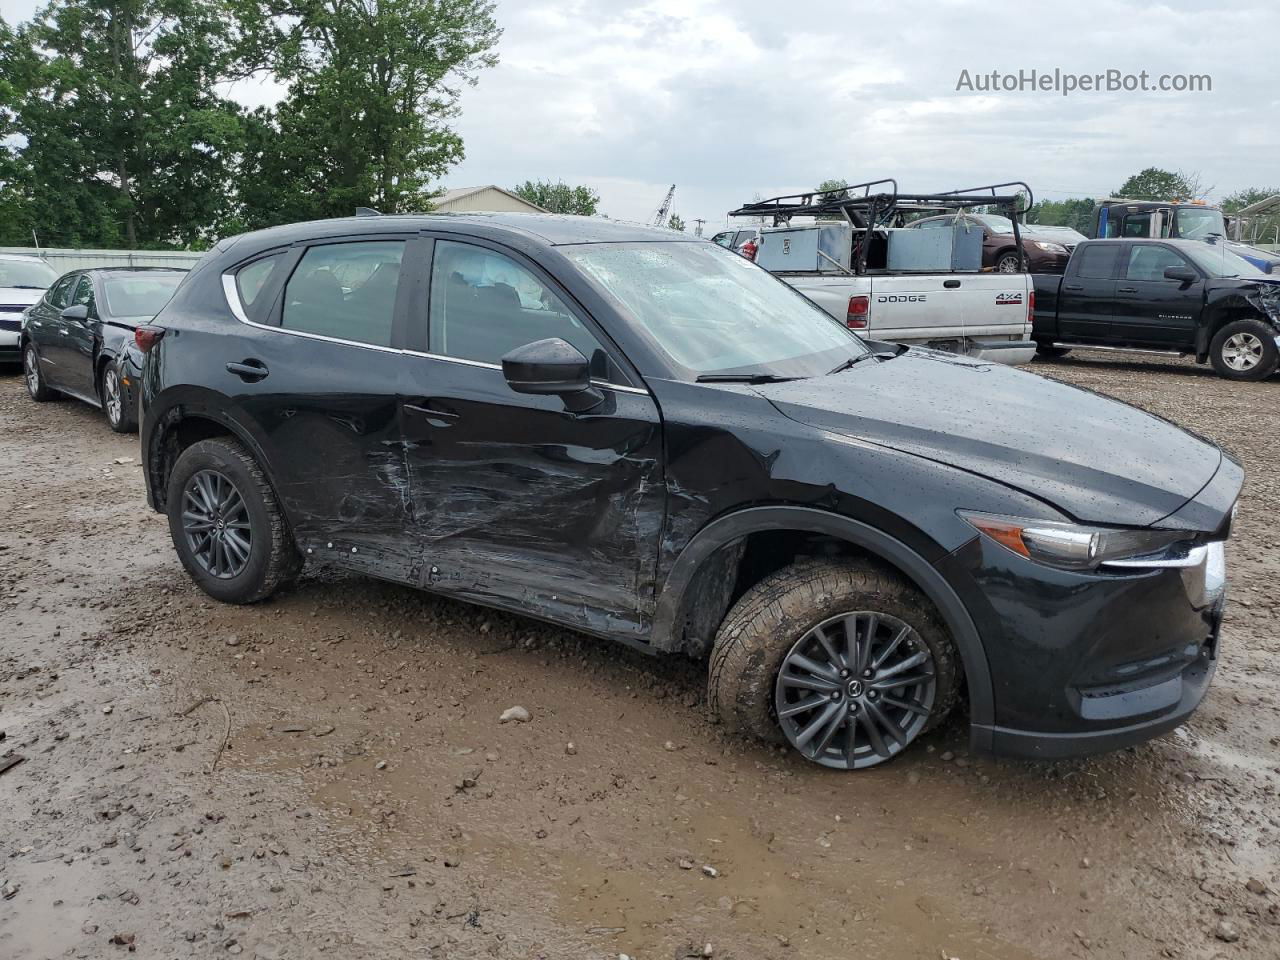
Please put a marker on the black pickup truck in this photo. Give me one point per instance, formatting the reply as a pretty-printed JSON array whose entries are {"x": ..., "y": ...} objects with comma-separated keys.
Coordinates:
[{"x": 1183, "y": 297}]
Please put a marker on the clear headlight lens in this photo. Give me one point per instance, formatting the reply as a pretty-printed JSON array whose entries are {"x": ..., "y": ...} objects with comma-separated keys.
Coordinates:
[
  {"x": 1072, "y": 546},
  {"x": 1050, "y": 247}
]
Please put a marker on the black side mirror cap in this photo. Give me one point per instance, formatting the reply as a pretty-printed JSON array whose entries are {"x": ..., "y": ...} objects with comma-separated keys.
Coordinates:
[
  {"x": 552, "y": 367},
  {"x": 1181, "y": 274},
  {"x": 77, "y": 311}
]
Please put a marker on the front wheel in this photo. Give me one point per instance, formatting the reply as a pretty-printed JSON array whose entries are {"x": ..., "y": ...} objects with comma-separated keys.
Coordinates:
[
  {"x": 120, "y": 416},
  {"x": 844, "y": 661},
  {"x": 227, "y": 525},
  {"x": 1245, "y": 350},
  {"x": 1008, "y": 263}
]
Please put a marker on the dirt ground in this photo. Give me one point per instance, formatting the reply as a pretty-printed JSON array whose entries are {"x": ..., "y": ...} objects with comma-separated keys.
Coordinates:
[{"x": 326, "y": 773}]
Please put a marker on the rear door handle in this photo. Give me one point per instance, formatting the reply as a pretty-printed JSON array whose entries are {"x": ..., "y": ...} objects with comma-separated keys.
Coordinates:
[
  {"x": 1126, "y": 289},
  {"x": 1072, "y": 286},
  {"x": 951, "y": 284},
  {"x": 250, "y": 371}
]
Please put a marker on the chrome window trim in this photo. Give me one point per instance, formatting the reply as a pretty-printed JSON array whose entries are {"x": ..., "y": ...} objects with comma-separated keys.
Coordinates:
[
  {"x": 232, "y": 296},
  {"x": 233, "y": 301}
]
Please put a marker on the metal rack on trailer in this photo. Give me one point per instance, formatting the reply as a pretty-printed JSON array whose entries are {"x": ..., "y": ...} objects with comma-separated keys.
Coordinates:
[{"x": 867, "y": 212}]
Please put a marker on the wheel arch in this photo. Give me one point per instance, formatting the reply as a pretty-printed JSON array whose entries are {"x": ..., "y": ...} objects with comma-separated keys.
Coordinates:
[
  {"x": 706, "y": 552},
  {"x": 177, "y": 428}
]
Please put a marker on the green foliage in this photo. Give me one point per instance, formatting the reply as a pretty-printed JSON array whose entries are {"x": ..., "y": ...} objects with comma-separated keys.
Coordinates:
[
  {"x": 559, "y": 197},
  {"x": 829, "y": 186},
  {"x": 123, "y": 139},
  {"x": 1156, "y": 184},
  {"x": 1077, "y": 214},
  {"x": 1265, "y": 229},
  {"x": 372, "y": 85},
  {"x": 676, "y": 222}
]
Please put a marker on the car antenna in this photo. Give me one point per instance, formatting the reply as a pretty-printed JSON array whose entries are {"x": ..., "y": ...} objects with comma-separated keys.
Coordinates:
[{"x": 367, "y": 212}]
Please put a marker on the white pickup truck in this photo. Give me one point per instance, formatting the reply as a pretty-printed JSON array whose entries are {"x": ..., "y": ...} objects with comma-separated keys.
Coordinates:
[{"x": 923, "y": 287}]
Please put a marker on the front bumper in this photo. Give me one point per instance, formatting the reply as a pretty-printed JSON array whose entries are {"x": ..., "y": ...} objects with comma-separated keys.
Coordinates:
[
  {"x": 1083, "y": 662},
  {"x": 10, "y": 333}
]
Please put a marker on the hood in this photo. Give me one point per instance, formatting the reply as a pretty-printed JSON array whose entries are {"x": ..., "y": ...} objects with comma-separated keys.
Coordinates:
[
  {"x": 1095, "y": 459},
  {"x": 17, "y": 299}
]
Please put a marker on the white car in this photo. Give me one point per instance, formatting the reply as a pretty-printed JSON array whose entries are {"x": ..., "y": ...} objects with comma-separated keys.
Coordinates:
[{"x": 23, "y": 281}]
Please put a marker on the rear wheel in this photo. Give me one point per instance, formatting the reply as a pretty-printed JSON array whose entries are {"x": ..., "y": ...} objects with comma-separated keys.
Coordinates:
[
  {"x": 37, "y": 389},
  {"x": 227, "y": 525},
  {"x": 120, "y": 417},
  {"x": 1245, "y": 350},
  {"x": 847, "y": 663},
  {"x": 1049, "y": 350}
]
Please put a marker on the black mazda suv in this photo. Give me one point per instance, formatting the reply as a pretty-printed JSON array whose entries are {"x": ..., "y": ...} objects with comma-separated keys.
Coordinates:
[{"x": 645, "y": 437}]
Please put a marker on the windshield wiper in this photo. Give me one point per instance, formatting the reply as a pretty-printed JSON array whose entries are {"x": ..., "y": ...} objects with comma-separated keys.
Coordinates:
[
  {"x": 853, "y": 361},
  {"x": 743, "y": 378}
]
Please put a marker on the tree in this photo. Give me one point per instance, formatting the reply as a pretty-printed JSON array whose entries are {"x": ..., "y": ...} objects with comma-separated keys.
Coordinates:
[
  {"x": 372, "y": 85},
  {"x": 122, "y": 136},
  {"x": 559, "y": 197},
  {"x": 1261, "y": 229},
  {"x": 1077, "y": 214},
  {"x": 831, "y": 187},
  {"x": 676, "y": 222},
  {"x": 1154, "y": 183}
]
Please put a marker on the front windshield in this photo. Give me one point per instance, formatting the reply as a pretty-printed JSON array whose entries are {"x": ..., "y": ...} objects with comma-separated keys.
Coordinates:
[
  {"x": 1197, "y": 224},
  {"x": 140, "y": 295},
  {"x": 1217, "y": 262},
  {"x": 26, "y": 274},
  {"x": 995, "y": 223},
  {"x": 713, "y": 312}
]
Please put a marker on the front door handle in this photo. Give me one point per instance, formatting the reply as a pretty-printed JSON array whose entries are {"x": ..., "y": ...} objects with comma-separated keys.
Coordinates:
[
  {"x": 250, "y": 371},
  {"x": 1072, "y": 286},
  {"x": 1126, "y": 289}
]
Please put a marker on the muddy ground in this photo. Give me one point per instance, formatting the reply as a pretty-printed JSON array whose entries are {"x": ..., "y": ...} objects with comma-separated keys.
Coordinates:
[{"x": 326, "y": 774}]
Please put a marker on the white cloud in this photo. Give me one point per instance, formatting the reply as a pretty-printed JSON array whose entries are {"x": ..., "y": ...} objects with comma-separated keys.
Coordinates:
[{"x": 728, "y": 98}]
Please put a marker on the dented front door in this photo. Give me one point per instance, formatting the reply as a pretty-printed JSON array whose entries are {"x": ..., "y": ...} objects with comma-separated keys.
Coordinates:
[{"x": 518, "y": 502}]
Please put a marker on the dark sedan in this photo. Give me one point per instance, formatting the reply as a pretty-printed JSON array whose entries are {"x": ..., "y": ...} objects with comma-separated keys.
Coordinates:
[
  {"x": 78, "y": 338},
  {"x": 647, "y": 438},
  {"x": 1045, "y": 253}
]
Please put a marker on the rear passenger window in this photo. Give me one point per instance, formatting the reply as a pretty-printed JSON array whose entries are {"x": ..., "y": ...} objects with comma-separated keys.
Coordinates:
[
  {"x": 1097, "y": 262},
  {"x": 251, "y": 279},
  {"x": 346, "y": 291},
  {"x": 484, "y": 305}
]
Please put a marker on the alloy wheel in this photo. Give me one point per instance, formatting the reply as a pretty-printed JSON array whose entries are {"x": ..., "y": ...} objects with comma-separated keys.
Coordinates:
[
  {"x": 855, "y": 690},
  {"x": 111, "y": 395},
  {"x": 215, "y": 520},
  {"x": 1007, "y": 265},
  {"x": 31, "y": 368},
  {"x": 1242, "y": 351}
]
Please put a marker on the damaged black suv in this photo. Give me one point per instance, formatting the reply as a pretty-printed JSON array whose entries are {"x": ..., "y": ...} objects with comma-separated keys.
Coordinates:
[{"x": 645, "y": 437}]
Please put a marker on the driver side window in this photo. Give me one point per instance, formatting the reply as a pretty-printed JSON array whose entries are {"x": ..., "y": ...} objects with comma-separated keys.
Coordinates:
[
  {"x": 484, "y": 305},
  {"x": 1148, "y": 262},
  {"x": 59, "y": 294}
]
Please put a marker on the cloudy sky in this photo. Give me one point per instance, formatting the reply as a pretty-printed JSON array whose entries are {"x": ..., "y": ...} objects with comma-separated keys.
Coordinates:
[{"x": 729, "y": 98}]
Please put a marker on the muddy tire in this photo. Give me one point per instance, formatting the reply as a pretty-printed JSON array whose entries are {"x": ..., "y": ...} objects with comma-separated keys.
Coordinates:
[
  {"x": 120, "y": 416},
  {"x": 37, "y": 389},
  {"x": 819, "y": 655},
  {"x": 227, "y": 525},
  {"x": 1245, "y": 350}
]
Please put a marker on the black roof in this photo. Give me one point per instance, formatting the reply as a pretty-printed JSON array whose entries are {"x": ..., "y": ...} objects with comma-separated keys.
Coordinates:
[{"x": 550, "y": 228}]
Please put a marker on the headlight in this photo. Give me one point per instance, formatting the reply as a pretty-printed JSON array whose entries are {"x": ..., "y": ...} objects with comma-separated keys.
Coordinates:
[
  {"x": 1074, "y": 547},
  {"x": 1050, "y": 247}
]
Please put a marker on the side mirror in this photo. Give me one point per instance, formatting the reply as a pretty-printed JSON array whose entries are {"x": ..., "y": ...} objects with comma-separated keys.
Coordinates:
[
  {"x": 77, "y": 311},
  {"x": 1181, "y": 274},
  {"x": 552, "y": 367}
]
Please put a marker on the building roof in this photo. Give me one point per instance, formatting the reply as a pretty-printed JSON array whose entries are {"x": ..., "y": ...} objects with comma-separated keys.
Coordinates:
[{"x": 458, "y": 193}]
